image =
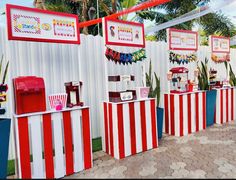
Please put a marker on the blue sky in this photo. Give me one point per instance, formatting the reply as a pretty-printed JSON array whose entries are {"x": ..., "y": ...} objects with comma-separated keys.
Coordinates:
[{"x": 229, "y": 11}]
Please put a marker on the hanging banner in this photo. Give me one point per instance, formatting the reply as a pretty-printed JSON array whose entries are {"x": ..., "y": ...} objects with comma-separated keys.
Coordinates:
[
  {"x": 220, "y": 44},
  {"x": 220, "y": 48},
  {"x": 31, "y": 24},
  {"x": 123, "y": 33},
  {"x": 182, "y": 40},
  {"x": 125, "y": 58}
]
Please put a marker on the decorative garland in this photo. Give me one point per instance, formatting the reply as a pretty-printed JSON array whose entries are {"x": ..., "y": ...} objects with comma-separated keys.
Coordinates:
[
  {"x": 220, "y": 59},
  {"x": 182, "y": 59},
  {"x": 125, "y": 58}
]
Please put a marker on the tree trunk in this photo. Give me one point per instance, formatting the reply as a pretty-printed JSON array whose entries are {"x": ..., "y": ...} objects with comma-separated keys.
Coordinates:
[
  {"x": 85, "y": 14},
  {"x": 114, "y": 6}
]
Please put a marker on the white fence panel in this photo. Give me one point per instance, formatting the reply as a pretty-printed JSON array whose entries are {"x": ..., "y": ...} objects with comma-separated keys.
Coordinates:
[{"x": 58, "y": 63}]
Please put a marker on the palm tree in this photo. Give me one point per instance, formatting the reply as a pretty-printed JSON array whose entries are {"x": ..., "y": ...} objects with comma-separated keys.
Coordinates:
[{"x": 214, "y": 23}]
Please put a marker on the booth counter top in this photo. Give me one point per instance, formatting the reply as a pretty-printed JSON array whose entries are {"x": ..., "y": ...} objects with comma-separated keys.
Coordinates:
[
  {"x": 63, "y": 136},
  {"x": 184, "y": 93},
  {"x": 131, "y": 101},
  {"x": 185, "y": 113},
  {"x": 51, "y": 111},
  {"x": 129, "y": 127}
]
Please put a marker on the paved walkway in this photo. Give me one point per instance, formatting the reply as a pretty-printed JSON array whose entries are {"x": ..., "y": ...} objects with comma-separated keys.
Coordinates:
[{"x": 207, "y": 154}]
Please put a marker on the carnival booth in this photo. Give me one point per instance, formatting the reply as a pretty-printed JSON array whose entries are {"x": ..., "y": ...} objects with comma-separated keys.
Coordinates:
[
  {"x": 51, "y": 141},
  {"x": 185, "y": 105},
  {"x": 225, "y": 90},
  {"x": 129, "y": 124}
]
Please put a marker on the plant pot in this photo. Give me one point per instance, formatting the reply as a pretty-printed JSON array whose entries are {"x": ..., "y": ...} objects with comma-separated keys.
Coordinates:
[
  {"x": 160, "y": 112},
  {"x": 210, "y": 107},
  {"x": 5, "y": 125}
]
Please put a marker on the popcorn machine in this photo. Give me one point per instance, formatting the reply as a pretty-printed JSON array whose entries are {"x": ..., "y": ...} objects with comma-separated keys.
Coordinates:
[
  {"x": 73, "y": 90},
  {"x": 179, "y": 80}
]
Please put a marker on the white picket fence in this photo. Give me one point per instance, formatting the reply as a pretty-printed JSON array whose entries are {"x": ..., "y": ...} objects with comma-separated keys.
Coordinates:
[{"x": 59, "y": 63}]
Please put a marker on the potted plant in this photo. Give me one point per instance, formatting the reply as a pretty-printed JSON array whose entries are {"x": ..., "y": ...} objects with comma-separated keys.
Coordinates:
[
  {"x": 203, "y": 81},
  {"x": 154, "y": 92},
  {"x": 232, "y": 77},
  {"x": 5, "y": 124}
]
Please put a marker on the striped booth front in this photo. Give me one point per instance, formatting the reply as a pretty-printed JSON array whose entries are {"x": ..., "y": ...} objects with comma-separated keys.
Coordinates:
[
  {"x": 184, "y": 113},
  {"x": 129, "y": 127},
  {"x": 53, "y": 144},
  {"x": 225, "y": 105}
]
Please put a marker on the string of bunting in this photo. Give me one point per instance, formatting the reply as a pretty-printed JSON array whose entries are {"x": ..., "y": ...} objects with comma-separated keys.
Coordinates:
[
  {"x": 125, "y": 58},
  {"x": 182, "y": 59},
  {"x": 220, "y": 58}
]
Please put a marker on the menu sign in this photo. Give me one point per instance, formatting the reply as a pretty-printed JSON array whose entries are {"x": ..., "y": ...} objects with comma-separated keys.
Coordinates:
[
  {"x": 31, "y": 24},
  {"x": 123, "y": 33},
  {"x": 182, "y": 40},
  {"x": 220, "y": 44}
]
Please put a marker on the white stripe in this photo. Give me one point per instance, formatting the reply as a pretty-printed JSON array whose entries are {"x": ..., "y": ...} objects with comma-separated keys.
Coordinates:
[
  {"x": 224, "y": 106},
  {"x": 185, "y": 114},
  {"x": 138, "y": 128},
  {"x": 176, "y": 115},
  {"x": 59, "y": 161},
  {"x": 127, "y": 134},
  {"x": 36, "y": 136},
  {"x": 200, "y": 106},
  {"x": 164, "y": 118},
  {"x": 76, "y": 121},
  {"x": 148, "y": 125},
  {"x": 193, "y": 113},
  {"x": 115, "y": 132},
  {"x": 218, "y": 105},
  {"x": 103, "y": 127}
]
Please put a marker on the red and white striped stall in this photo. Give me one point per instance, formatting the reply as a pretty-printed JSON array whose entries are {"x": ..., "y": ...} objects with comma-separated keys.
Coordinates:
[
  {"x": 53, "y": 144},
  {"x": 129, "y": 127},
  {"x": 184, "y": 113},
  {"x": 225, "y": 105}
]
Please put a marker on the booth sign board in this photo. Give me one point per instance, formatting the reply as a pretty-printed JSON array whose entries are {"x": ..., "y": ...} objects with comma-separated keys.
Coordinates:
[
  {"x": 123, "y": 33},
  {"x": 220, "y": 44},
  {"x": 31, "y": 24},
  {"x": 182, "y": 40}
]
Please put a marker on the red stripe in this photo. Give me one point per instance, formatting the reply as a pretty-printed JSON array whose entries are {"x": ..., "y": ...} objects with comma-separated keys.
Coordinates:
[
  {"x": 189, "y": 114},
  {"x": 106, "y": 127},
  {"x": 227, "y": 105},
  {"x": 181, "y": 118},
  {"x": 154, "y": 124},
  {"x": 24, "y": 148},
  {"x": 121, "y": 131},
  {"x": 204, "y": 109},
  {"x": 111, "y": 130},
  {"x": 172, "y": 114},
  {"x": 48, "y": 146},
  {"x": 143, "y": 125},
  {"x": 86, "y": 139},
  {"x": 166, "y": 114},
  {"x": 232, "y": 104},
  {"x": 221, "y": 106},
  {"x": 197, "y": 111},
  {"x": 132, "y": 128},
  {"x": 68, "y": 143}
]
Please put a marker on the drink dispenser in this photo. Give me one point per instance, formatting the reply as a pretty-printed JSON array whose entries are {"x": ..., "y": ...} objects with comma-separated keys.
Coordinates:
[{"x": 179, "y": 80}]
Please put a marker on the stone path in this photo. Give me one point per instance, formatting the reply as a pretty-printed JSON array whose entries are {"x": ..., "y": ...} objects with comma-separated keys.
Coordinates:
[{"x": 208, "y": 154}]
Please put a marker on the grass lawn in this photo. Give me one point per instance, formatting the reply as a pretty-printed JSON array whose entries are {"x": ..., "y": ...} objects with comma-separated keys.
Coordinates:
[{"x": 97, "y": 146}]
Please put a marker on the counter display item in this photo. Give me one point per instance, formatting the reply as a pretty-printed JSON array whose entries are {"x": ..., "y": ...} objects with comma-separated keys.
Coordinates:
[
  {"x": 73, "y": 90},
  {"x": 179, "y": 80},
  {"x": 122, "y": 95},
  {"x": 29, "y": 94}
]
